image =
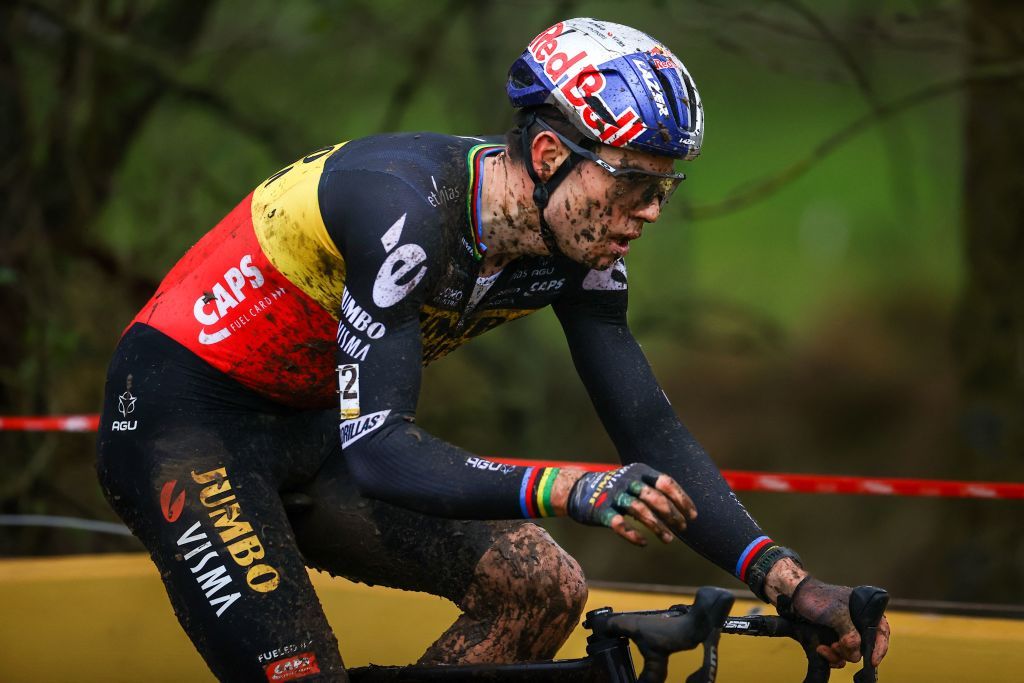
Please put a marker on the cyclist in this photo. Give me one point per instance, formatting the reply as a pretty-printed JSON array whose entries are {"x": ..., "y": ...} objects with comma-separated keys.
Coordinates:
[{"x": 322, "y": 294}]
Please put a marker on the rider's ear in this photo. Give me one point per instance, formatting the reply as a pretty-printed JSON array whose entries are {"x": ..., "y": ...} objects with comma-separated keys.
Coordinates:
[{"x": 548, "y": 153}]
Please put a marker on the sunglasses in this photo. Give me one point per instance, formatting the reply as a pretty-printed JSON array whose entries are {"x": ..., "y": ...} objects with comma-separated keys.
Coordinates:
[{"x": 647, "y": 185}]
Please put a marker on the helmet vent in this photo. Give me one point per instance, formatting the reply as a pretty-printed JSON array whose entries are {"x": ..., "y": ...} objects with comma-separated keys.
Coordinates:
[
  {"x": 598, "y": 106},
  {"x": 521, "y": 76},
  {"x": 691, "y": 102},
  {"x": 673, "y": 102}
]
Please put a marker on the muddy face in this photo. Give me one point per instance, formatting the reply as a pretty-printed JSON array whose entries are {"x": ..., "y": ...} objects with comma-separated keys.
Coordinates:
[{"x": 595, "y": 216}]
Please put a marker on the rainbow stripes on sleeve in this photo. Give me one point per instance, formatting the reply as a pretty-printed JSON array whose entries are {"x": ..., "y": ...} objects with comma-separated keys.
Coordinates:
[
  {"x": 535, "y": 492},
  {"x": 752, "y": 551}
]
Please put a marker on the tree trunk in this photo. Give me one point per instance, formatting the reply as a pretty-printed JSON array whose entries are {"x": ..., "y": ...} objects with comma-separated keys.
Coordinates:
[
  {"x": 990, "y": 335},
  {"x": 990, "y": 327},
  {"x": 58, "y": 161}
]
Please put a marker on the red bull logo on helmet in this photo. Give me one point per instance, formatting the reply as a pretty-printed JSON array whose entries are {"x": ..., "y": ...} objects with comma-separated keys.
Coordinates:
[
  {"x": 661, "y": 58},
  {"x": 577, "y": 79}
]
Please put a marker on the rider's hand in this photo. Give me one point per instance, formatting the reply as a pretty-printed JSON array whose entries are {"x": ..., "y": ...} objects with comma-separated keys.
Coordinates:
[
  {"x": 828, "y": 605},
  {"x": 655, "y": 499}
]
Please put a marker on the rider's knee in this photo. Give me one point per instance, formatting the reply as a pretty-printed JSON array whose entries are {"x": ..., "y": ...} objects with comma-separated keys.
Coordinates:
[{"x": 527, "y": 569}]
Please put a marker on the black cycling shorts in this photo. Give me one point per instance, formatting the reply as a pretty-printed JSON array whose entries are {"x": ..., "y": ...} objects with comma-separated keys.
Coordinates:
[{"x": 196, "y": 465}]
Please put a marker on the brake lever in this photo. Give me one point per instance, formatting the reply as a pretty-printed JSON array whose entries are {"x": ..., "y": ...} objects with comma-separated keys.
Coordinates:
[
  {"x": 663, "y": 632},
  {"x": 709, "y": 663},
  {"x": 867, "y": 606}
]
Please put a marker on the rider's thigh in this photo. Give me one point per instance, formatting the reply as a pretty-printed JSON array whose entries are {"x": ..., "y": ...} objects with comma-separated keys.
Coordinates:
[
  {"x": 212, "y": 519},
  {"x": 238, "y": 585},
  {"x": 341, "y": 532},
  {"x": 368, "y": 540}
]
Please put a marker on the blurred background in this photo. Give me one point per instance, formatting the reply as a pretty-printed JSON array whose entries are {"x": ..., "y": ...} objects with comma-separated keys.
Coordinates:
[{"x": 837, "y": 288}]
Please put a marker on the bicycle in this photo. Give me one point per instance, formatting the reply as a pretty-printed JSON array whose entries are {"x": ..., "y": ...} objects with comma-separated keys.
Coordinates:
[{"x": 658, "y": 634}]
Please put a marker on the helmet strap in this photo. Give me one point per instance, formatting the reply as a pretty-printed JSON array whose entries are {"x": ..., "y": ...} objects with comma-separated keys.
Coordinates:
[{"x": 542, "y": 191}]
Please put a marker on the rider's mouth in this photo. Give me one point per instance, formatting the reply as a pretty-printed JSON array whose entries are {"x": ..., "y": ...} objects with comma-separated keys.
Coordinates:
[{"x": 621, "y": 242}]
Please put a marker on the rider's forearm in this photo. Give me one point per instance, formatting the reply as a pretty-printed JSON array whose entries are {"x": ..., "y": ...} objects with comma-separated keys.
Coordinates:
[
  {"x": 406, "y": 466},
  {"x": 645, "y": 428},
  {"x": 724, "y": 532}
]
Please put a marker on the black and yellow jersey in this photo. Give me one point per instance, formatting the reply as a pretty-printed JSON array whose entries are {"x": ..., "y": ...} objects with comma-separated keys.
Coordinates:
[
  {"x": 343, "y": 273},
  {"x": 267, "y": 294}
]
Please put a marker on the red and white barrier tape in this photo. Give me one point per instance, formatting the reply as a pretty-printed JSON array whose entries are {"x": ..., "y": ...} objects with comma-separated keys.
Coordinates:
[
  {"x": 776, "y": 482},
  {"x": 58, "y": 423},
  {"x": 875, "y": 486}
]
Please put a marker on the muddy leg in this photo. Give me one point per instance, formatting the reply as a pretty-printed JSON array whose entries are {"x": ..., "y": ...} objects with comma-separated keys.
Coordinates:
[{"x": 525, "y": 599}]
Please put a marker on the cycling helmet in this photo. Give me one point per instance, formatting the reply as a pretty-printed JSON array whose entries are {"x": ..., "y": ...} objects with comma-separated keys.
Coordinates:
[{"x": 617, "y": 85}]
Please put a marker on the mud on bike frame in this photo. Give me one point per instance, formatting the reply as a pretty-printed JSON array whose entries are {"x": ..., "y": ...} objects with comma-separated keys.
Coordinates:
[{"x": 658, "y": 634}]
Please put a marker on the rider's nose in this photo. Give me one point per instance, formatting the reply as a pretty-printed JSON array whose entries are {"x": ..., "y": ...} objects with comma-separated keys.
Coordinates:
[{"x": 650, "y": 212}]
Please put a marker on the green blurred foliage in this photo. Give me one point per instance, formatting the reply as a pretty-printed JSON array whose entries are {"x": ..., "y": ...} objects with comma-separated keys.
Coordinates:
[{"x": 807, "y": 331}]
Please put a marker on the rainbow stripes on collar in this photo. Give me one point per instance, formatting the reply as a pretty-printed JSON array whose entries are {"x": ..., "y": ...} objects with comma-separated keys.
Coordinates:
[
  {"x": 475, "y": 161},
  {"x": 535, "y": 492}
]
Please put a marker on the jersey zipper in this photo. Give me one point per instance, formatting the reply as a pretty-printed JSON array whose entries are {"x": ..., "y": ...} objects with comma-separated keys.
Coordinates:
[{"x": 467, "y": 296}]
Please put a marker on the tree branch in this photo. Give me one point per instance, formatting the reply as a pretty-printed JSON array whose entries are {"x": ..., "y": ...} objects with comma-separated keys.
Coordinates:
[
  {"x": 422, "y": 57},
  {"x": 761, "y": 189},
  {"x": 896, "y": 147},
  {"x": 940, "y": 40},
  {"x": 166, "y": 72}
]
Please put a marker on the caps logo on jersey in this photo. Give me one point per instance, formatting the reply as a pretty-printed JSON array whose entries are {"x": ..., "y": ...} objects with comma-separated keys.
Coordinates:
[{"x": 217, "y": 302}]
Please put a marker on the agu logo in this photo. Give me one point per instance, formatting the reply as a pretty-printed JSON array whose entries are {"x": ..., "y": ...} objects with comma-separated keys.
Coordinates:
[
  {"x": 125, "y": 406},
  {"x": 126, "y": 403}
]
